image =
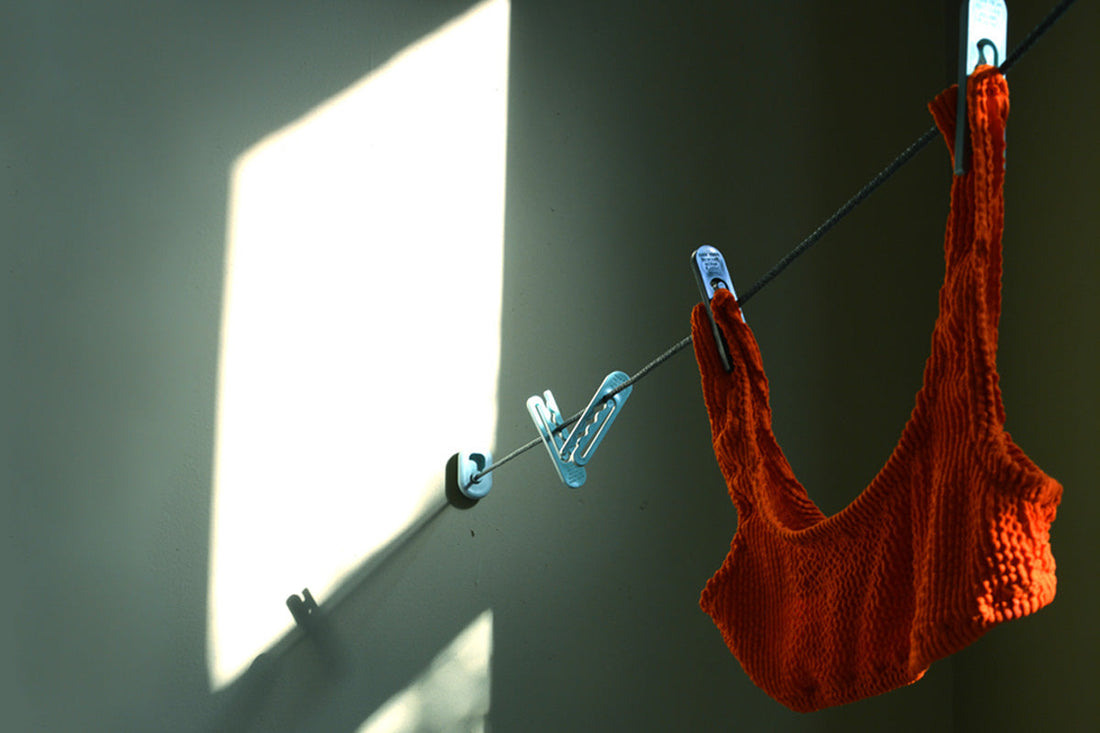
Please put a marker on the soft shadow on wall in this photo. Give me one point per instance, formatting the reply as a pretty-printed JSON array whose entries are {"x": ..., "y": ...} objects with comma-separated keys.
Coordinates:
[
  {"x": 336, "y": 411},
  {"x": 452, "y": 694}
]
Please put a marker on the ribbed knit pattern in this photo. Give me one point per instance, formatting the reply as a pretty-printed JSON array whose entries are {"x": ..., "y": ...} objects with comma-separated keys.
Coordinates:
[{"x": 952, "y": 536}]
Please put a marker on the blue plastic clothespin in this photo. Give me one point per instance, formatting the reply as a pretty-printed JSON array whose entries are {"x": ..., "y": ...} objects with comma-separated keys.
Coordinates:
[
  {"x": 571, "y": 449},
  {"x": 711, "y": 274},
  {"x": 983, "y": 39}
]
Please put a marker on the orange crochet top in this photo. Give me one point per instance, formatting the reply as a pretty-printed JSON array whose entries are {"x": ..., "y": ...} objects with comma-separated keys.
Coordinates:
[{"x": 951, "y": 537}]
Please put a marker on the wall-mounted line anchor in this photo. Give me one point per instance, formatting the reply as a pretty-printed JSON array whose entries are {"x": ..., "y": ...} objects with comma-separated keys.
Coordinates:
[
  {"x": 571, "y": 449},
  {"x": 469, "y": 465},
  {"x": 711, "y": 275},
  {"x": 983, "y": 39}
]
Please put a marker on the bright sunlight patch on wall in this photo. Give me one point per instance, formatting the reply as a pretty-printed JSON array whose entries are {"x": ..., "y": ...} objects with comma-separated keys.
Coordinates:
[
  {"x": 452, "y": 694},
  {"x": 361, "y": 325}
]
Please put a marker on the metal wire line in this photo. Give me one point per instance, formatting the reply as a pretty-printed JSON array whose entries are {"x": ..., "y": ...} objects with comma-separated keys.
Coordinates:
[{"x": 904, "y": 157}]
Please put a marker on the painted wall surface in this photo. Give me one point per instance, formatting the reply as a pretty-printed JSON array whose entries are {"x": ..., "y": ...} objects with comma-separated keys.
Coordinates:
[{"x": 636, "y": 132}]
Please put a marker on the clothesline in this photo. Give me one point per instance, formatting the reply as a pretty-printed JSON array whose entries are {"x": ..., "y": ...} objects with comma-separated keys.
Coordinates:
[{"x": 904, "y": 157}]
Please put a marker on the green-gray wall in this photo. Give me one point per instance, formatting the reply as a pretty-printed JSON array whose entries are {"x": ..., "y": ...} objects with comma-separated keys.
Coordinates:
[{"x": 637, "y": 131}]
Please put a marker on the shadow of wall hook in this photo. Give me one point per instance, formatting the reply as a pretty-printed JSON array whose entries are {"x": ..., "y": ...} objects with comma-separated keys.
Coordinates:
[
  {"x": 312, "y": 621},
  {"x": 304, "y": 609}
]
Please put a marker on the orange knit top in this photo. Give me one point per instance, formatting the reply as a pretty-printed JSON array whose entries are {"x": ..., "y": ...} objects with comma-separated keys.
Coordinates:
[{"x": 950, "y": 538}]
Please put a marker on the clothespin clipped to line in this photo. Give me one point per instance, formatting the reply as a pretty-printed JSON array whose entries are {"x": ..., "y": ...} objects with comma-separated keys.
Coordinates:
[
  {"x": 570, "y": 448},
  {"x": 983, "y": 39},
  {"x": 711, "y": 275}
]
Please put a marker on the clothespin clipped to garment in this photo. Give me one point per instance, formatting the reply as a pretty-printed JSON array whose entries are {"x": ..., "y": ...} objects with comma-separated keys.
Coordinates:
[
  {"x": 711, "y": 274},
  {"x": 983, "y": 39},
  {"x": 571, "y": 448}
]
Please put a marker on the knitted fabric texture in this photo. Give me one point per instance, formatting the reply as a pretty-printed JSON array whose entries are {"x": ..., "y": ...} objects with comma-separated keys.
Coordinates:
[{"x": 950, "y": 539}]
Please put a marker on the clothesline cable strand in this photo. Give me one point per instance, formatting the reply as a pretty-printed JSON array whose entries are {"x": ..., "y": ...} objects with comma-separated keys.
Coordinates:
[
  {"x": 904, "y": 157},
  {"x": 1037, "y": 32}
]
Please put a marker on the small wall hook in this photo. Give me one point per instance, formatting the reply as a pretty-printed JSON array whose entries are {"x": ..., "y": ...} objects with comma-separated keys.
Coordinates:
[{"x": 469, "y": 465}]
